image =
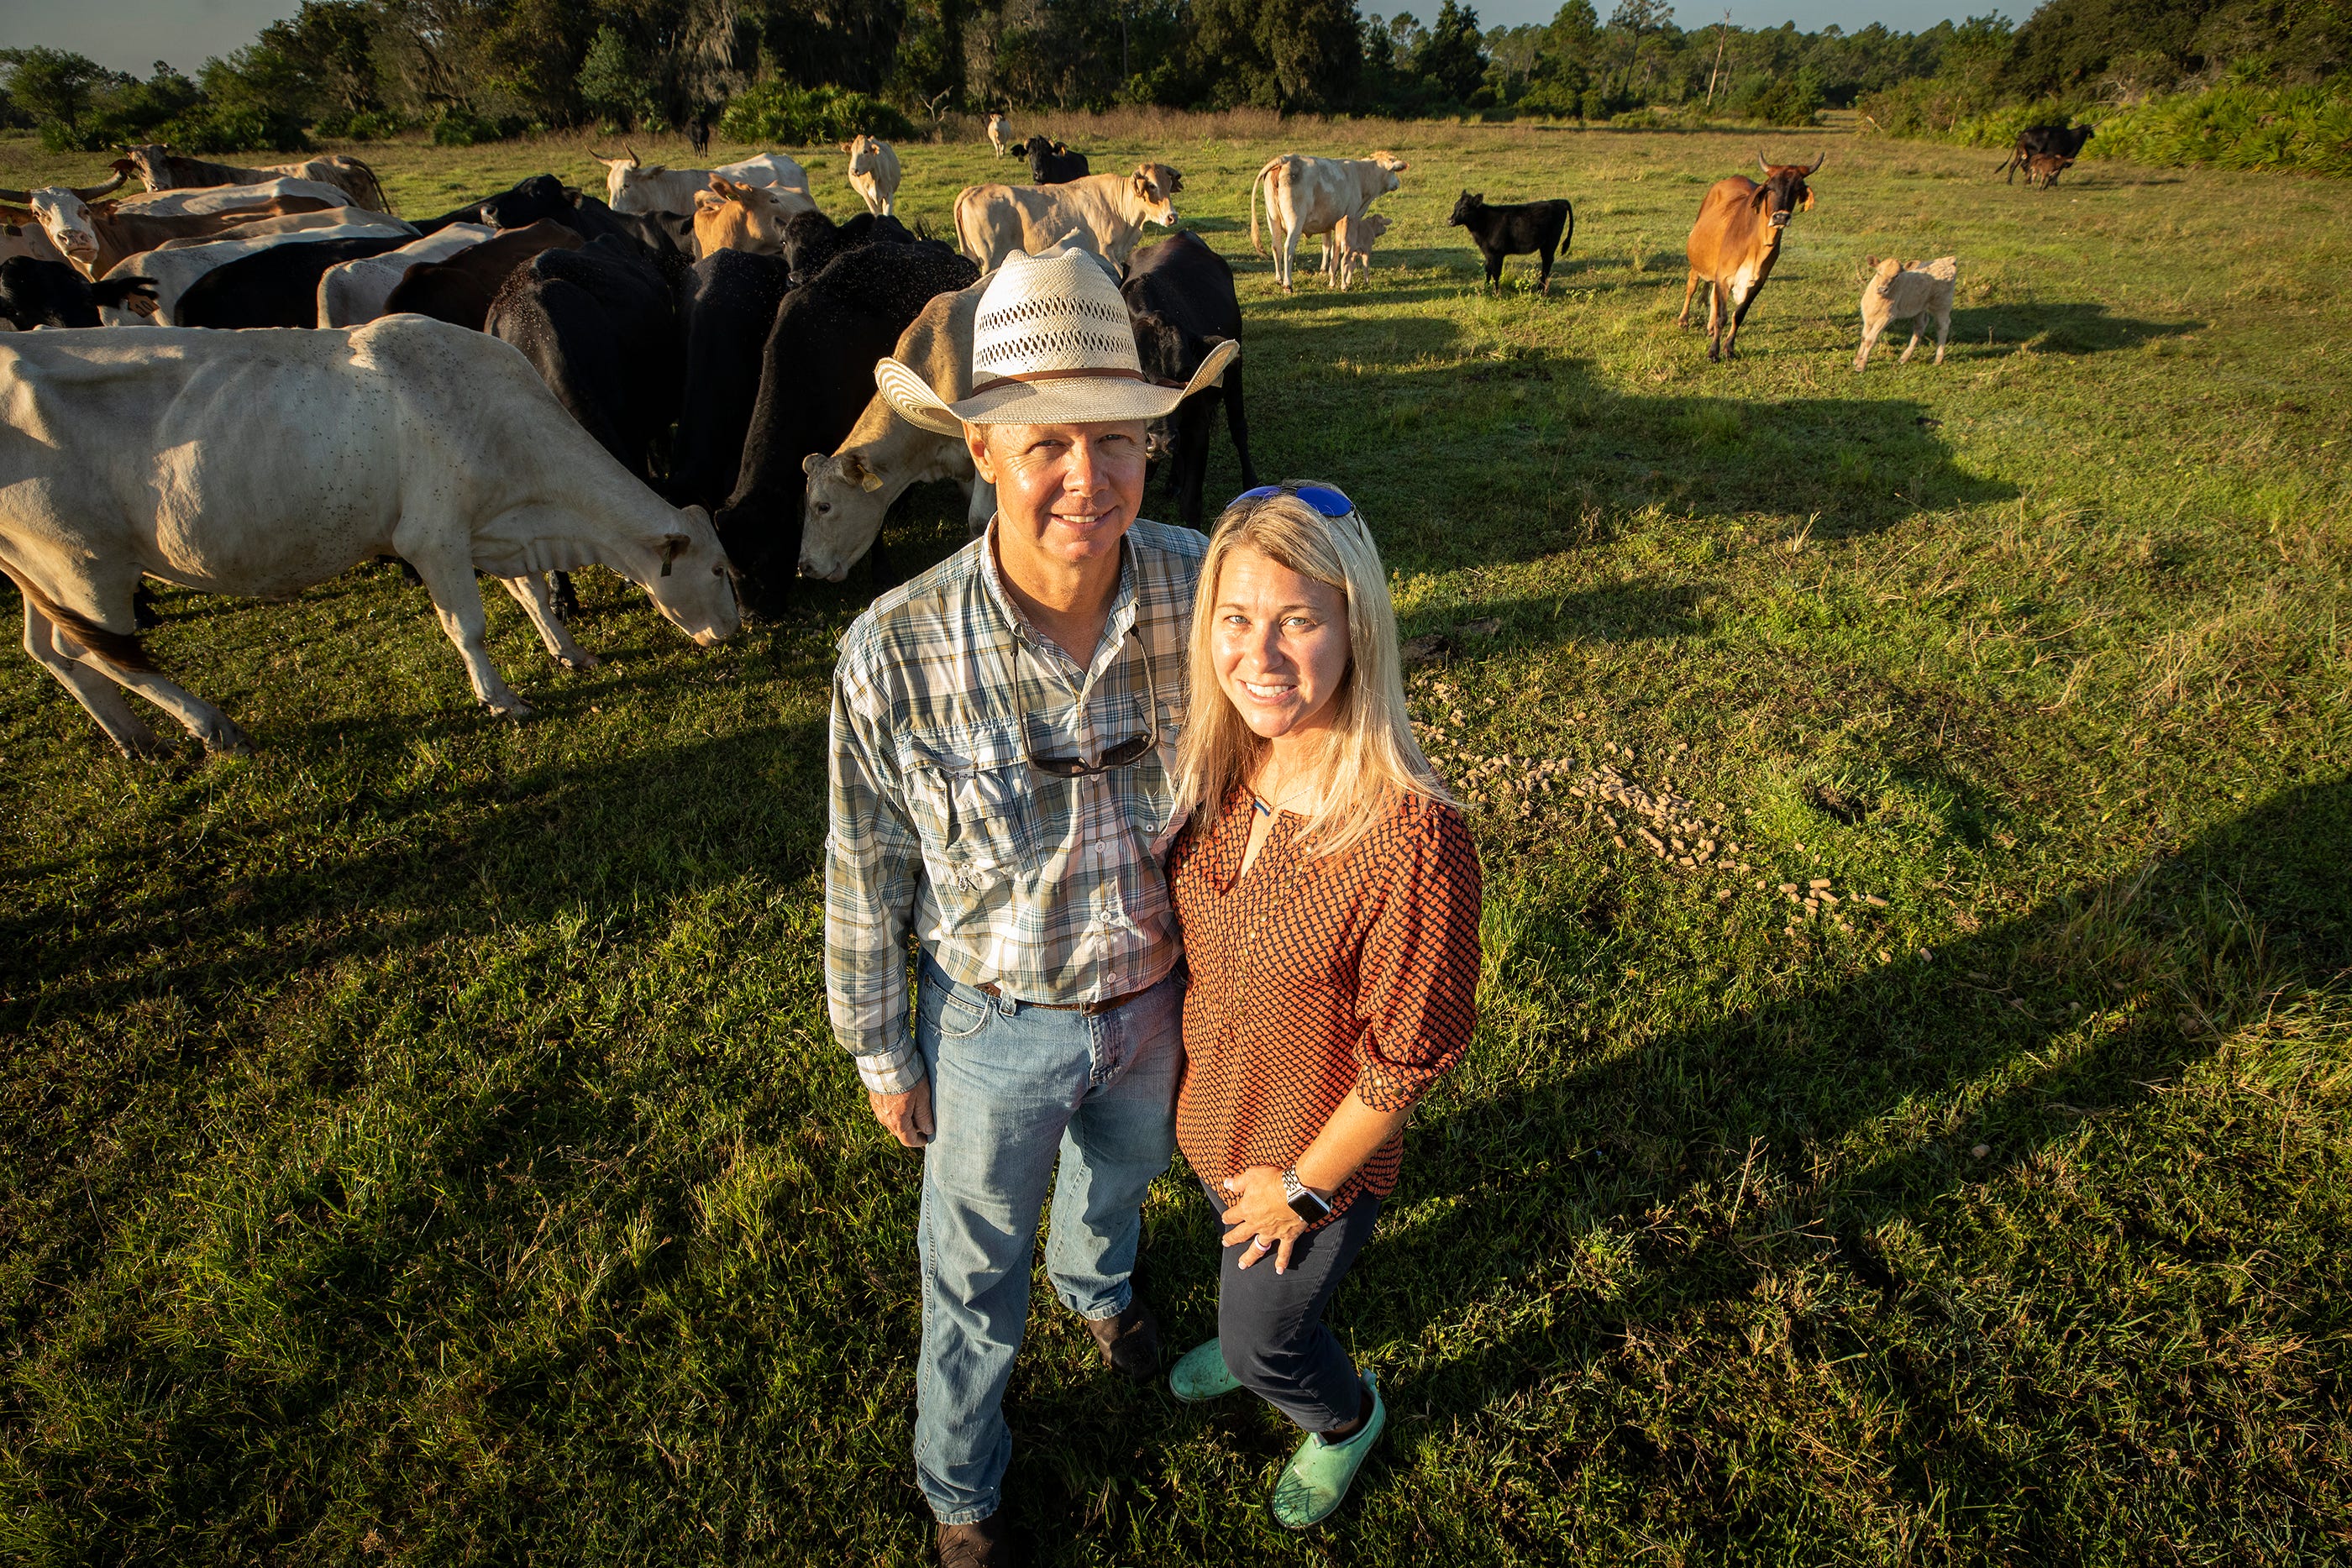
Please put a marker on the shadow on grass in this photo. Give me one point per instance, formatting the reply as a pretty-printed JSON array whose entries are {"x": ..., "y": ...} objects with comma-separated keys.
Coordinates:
[
  {"x": 2067, "y": 328},
  {"x": 1651, "y": 1151}
]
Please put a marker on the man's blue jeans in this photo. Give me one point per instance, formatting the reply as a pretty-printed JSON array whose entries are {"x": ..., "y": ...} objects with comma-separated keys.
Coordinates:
[{"x": 1012, "y": 1088}]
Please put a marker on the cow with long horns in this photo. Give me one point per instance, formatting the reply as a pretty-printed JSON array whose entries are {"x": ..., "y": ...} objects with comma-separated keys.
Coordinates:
[{"x": 1735, "y": 241}]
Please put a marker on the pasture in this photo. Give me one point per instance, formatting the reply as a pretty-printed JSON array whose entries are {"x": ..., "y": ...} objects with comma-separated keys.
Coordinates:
[{"x": 421, "y": 1141}]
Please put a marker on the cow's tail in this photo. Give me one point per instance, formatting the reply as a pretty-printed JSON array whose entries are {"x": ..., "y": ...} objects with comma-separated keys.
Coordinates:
[
  {"x": 1264, "y": 176},
  {"x": 122, "y": 650}
]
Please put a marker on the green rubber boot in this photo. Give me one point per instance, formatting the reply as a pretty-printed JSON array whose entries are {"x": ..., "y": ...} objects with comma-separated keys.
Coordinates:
[
  {"x": 1201, "y": 1375},
  {"x": 1316, "y": 1481}
]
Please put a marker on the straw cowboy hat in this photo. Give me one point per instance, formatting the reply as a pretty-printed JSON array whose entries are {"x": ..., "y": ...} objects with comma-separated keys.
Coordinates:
[{"x": 1051, "y": 344}]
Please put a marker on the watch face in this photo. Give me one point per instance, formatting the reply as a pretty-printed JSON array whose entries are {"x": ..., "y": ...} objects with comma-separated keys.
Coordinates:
[{"x": 1310, "y": 1207}]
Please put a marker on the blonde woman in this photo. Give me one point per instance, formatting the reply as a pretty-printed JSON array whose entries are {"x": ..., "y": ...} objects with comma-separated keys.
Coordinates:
[{"x": 1328, "y": 896}]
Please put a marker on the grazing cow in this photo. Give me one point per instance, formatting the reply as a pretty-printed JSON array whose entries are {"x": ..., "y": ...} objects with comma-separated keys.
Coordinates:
[
  {"x": 849, "y": 493},
  {"x": 730, "y": 216},
  {"x": 2065, "y": 141},
  {"x": 353, "y": 293},
  {"x": 163, "y": 170},
  {"x": 812, "y": 239},
  {"x": 999, "y": 134},
  {"x": 460, "y": 290},
  {"x": 816, "y": 376},
  {"x": 226, "y": 198},
  {"x": 993, "y": 221},
  {"x": 1735, "y": 241},
  {"x": 175, "y": 270},
  {"x": 1348, "y": 248},
  {"x": 1180, "y": 295},
  {"x": 632, "y": 186},
  {"x": 2043, "y": 169},
  {"x": 1309, "y": 196},
  {"x": 599, "y": 325},
  {"x": 724, "y": 315},
  {"x": 42, "y": 293},
  {"x": 874, "y": 173},
  {"x": 524, "y": 203},
  {"x": 98, "y": 238},
  {"x": 1913, "y": 294},
  {"x": 1050, "y": 163},
  {"x": 262, "y": 466},
  {"x": 1498, "y": 231},
  {"x": 277, "y": 286}
]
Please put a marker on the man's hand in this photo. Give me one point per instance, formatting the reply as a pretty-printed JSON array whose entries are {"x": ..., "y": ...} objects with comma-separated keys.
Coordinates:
[{"x": 907, "y": 1115}]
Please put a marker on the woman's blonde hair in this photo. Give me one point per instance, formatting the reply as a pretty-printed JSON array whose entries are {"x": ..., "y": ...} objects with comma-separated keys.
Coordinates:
[{"x": 1373, "y": 761}]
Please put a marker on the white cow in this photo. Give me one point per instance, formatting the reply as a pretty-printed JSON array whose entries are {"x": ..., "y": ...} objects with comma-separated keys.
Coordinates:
[
  {"x": 30, "y": 240},
  {"x": 632, "y": 186},
  {"x": 174, "y": 269},
  {"x": 1919, "y": 293},
  {"x": 993, "y": 221},
  {"x": 849, "y": 493},
  {"x": 874, "y": 173},
  {"x": 262, "y": 463},
  {"x": 1309, "y": 195},
  {"x": 353, "y": 293},
  {"x": 226, "y": 198},
  {"x": 1000, "y": 134}
]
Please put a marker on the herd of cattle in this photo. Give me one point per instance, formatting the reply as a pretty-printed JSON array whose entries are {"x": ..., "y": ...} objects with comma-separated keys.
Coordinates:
[{"x": 675, "y": 381}]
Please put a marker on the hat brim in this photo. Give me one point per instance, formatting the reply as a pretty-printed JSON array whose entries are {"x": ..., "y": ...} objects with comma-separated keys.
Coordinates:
[{"x": 1072, "y": 400}]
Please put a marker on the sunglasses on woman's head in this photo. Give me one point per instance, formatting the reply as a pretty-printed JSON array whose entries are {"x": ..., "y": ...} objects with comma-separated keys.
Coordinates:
[{"x": 1322, "y": 497}]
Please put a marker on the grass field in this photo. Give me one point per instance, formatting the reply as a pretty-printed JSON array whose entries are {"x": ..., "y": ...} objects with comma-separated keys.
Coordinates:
[{"x": 420, "y": 1142}]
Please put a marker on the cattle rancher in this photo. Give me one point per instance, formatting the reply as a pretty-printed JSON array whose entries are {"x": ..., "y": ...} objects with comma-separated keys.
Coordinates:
[{"x": 1004, "y": 730}]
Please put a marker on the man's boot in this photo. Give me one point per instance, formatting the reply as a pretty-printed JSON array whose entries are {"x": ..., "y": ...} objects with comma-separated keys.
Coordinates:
[
  {"x": 1130, "y": 1341},
  {"x": 979, "y": 1544}
]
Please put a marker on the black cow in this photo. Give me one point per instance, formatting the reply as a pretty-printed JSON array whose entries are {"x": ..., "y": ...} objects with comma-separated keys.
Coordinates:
[
  {"x": 36, "y": 293},
  {"x": 812, "y": 240},
  {"x": 1180, "y": 295},
  {"x": 523, "y": 203},
  {"x": 816, "y": 376},
  {"x": 2064, "y": 141},
  {"x": 599, "y": 325},
  {"x": 730, "y": 302},
  {"x": 460, "y": 290},
  {"x": 1050, "y": 163},
  {"x": 697, "y": 134},
  {"x": 273, "y": 287},
  {"x": 1530, "y": 227}
]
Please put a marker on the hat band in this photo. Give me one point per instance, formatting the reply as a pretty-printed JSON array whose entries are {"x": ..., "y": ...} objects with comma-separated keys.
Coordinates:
[{"x": 1022, "y": 377}]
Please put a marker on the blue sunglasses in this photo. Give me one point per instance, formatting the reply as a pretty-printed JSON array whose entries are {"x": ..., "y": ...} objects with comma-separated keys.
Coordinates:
[{"x": 1322, "y": 497}]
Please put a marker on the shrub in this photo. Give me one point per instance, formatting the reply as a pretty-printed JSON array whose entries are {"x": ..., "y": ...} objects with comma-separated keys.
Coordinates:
[
  {"x": 1784, "y": 100},
  {"x": 777, "y": 113},
  {"x": 463, "y": 127},
  {"x": 367, "y": 125},
  {"x": 212, "y": 128},
  {"x": 2237, "y": 127}
]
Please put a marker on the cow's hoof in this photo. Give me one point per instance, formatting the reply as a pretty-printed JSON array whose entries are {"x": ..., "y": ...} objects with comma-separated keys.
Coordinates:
[
  {"x": 227, "y": 740},
  {"x": 584, "y": 661},
  {"x": 143, "y": 745},
  {"x": 513, "y": 707}
]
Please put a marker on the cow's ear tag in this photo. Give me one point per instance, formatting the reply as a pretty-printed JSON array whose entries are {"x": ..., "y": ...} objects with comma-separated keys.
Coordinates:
[{"x": 872, "y": 481}]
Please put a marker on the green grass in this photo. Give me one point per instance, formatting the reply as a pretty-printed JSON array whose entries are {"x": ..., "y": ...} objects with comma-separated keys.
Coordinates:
[{"x": 421, "y": 1141}]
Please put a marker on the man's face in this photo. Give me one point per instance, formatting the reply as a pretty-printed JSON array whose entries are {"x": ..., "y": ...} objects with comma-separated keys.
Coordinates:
[{"x": 1064, "y": 492}]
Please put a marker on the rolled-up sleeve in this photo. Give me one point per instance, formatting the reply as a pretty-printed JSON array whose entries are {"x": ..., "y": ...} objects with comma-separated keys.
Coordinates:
[
  {"x": 872, "y": 858},
  {"x": 1417, "y": 992}
]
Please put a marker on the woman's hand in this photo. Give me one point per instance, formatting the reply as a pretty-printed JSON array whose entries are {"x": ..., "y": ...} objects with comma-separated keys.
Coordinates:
[{"x": 1261, "y": 1215}]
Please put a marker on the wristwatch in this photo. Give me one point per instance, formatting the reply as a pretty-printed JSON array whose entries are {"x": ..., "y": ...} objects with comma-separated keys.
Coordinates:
[{"x": 1305, "y": 1201}]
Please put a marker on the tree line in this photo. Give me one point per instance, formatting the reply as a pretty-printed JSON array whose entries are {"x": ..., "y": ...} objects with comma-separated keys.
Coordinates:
[{"x": 803, "y": 70}]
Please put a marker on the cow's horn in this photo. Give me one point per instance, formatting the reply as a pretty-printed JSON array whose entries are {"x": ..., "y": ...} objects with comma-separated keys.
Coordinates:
[
  {"x": 21, "y": 198},
  {"x": 92, "y": 193},
  {"x": 635, "y": 161},
  {"x": 1762, "y": 162},
  {"x": 1819, "y": 162}
]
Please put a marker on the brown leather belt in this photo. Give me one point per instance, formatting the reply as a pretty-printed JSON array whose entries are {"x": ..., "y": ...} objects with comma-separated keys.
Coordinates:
[{"x": 1089, "y": 1008}]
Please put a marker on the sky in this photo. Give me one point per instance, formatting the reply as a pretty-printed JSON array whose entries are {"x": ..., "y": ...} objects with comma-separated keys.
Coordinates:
[{"x": 132, "y": 35}]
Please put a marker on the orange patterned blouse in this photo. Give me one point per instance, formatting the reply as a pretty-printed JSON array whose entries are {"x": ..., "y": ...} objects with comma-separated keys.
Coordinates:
[{"x": 1311, "y": 977}]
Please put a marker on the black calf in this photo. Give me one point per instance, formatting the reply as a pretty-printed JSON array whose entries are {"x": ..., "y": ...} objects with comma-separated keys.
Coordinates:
[
  {"x": 36, "y": 293},
  {"x": 1050, "y": 163},
  {"x": 1532, "y": 228}
]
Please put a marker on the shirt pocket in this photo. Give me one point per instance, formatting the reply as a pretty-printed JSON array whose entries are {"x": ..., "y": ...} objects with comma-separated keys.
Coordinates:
[
  {"x": 1156, "y": 813},
  {"x": 974, "y": 807}
]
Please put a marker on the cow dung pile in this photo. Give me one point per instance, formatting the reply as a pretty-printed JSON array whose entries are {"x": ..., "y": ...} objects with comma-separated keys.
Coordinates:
[{"x": 1668, "y": 825}]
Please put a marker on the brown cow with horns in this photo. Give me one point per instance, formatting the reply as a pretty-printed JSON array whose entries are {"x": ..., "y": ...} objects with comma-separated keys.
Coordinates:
[{"x": 1735, "y": 241}]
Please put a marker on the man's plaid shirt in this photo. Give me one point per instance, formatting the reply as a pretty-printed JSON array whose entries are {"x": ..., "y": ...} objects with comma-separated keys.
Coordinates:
[{"x": 1052, "y": 889}]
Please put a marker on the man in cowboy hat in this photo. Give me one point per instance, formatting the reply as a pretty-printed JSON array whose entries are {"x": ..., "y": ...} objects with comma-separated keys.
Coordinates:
[{"x": 1003, "y": 753}]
